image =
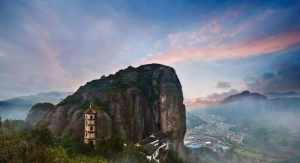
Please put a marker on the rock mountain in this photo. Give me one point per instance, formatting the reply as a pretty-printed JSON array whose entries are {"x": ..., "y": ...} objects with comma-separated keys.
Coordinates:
[{"x": 132, "y": 104}]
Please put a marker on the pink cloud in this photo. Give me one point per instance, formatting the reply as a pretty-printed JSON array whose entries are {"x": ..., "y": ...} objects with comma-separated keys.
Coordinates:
[
  {"x": 262, "y": 46},
  {"x": 211, "y": 99}
]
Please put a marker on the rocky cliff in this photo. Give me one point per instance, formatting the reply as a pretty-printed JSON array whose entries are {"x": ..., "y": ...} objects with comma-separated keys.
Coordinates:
[{"x": 132, "y": 104}]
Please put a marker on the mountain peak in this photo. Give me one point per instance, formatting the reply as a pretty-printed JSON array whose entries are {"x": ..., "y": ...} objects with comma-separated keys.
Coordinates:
[{"x": 245, "y": 95}]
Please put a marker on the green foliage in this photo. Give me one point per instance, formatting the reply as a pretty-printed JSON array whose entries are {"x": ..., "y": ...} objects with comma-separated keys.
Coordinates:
[
  {"x": 109, "y": 148},
  {"x": 74, "y": 147},
  {"x": 173, "y": 157},
  {"x": 130, "y": 154},
  {"x": 58, "y": 154},
  {"x": 40, "y": 145},
  {"x": 88, "y": 159},
  {"x": 19, "y": 147},
  {"x": 41, "y": 136},
  {"x": 10, "y": 126}
]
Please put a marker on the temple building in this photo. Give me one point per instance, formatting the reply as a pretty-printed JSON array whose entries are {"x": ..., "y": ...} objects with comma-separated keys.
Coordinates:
[{"x": 90, "y": 126}]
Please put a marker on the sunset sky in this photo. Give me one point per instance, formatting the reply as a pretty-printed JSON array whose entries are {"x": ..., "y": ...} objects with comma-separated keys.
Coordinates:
[{"x": 215, "y": 46}]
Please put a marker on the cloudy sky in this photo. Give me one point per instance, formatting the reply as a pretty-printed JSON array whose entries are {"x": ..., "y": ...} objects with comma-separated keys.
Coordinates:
[{"x": 215, "y": 46}]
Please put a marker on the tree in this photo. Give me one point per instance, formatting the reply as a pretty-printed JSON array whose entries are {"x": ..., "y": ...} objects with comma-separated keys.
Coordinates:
[
  {"x": 0, "y": 124},
  {"x": 59, "y": 155}
]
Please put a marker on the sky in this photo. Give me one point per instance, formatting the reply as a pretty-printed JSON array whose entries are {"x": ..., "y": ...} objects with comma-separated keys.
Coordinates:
[{"x": 216, "y": 47}]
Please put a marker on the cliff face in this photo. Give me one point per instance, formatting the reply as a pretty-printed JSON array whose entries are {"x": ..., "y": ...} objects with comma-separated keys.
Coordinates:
[{"x": 132, "y": 104}]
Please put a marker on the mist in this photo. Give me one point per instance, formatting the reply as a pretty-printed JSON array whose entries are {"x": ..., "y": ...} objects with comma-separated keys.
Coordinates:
[
  {"x": 15, "y": 113},
  {"x": 17, "y": 108},
  {"x": 271, "y": 131}
]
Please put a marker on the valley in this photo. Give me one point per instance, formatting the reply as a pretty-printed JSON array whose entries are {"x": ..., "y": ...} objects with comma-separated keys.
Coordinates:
[{"x": 246, "y": 131}]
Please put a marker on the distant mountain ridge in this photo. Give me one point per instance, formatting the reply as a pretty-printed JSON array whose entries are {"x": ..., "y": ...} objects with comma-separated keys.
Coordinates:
[
  {"x": 53, "y": 97},
  {"x": 18, "y": 107},
  {"x": 245, "y": 95},
  {"x": 290, "y": 94}
]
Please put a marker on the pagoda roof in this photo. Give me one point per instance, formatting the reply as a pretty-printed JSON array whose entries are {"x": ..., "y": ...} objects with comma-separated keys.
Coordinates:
[{"x": 90, "y": 110}]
